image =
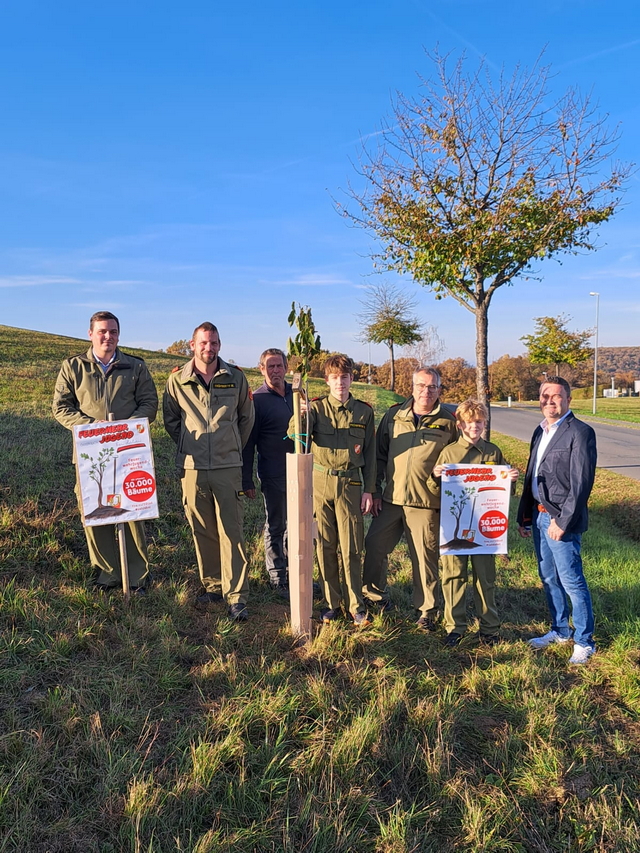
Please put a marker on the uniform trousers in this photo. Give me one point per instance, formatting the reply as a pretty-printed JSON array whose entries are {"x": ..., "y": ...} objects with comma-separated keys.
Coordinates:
[
  {"x": 421, "y": 529},
  {"x": 454, "y": 588},
  {"x": 104, "y": 552},
  {"x": 213, "y": 508},
  {"x": 336, "y": 503},
  {"x": 274, "y": 494}
]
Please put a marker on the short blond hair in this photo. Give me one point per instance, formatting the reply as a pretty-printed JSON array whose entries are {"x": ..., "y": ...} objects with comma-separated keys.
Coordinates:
[{"x": 472, "y": 410}]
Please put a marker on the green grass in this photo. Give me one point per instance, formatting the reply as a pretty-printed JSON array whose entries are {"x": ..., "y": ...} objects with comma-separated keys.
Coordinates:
[
  {"x": 163, "y": 727},
  {"x": 616, "y": 409}
]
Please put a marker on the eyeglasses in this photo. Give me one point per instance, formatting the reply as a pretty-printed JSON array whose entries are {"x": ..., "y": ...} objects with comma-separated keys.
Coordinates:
[{"x": 420, "y": 386}]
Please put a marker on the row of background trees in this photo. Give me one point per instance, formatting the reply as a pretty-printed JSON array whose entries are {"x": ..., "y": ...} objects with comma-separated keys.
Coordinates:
[{"x": 552, "y": 349}]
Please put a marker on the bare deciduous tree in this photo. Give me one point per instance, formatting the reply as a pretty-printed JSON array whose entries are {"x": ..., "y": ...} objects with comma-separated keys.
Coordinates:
[
  {"x": 387, "y": 318},
  {"x": 428, "y": 350}
]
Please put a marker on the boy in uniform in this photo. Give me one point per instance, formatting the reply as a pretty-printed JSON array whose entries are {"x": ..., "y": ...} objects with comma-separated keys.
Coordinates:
[
  {"x": 342, "y": 435},
  {"x": 470, "y": 448}
]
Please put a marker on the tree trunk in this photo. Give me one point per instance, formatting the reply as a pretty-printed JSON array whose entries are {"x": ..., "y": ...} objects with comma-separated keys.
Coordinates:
[
  {"x": 393, "y": 367},
  {"x": 482, "y": 356}
]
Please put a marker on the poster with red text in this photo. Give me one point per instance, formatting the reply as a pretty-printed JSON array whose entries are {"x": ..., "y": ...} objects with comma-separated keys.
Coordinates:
[
  {"x": 115, "y": 471},
  {"x": 474, "y": 509}
]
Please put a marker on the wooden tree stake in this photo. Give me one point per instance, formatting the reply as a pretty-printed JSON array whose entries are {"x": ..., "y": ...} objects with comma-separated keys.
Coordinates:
[{"x": 300, "y": 540}]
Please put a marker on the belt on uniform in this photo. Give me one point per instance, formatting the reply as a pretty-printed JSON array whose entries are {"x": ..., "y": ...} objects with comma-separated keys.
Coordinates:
[
  {"x": 542, "y": 508},
  {"x": 351, "y": 472}
]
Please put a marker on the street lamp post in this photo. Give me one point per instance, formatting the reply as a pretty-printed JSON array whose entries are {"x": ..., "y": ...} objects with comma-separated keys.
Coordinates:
[{"x": 595, "y": 352}]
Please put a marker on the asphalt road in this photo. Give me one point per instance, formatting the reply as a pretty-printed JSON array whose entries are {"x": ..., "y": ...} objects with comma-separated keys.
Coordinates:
[{"x": 618, "y": 446}]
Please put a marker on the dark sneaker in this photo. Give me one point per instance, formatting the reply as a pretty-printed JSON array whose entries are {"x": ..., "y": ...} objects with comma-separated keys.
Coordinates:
[
  {"x": 209, "y": 598},
  {"x": 427, "y": 623},
  {"x": 361, "y": 619},
  {"x": 328, "y": 615},
  {"x": 281, "y": 589},
  {"x": 489, "y": 639},
  {"x": 238, "y": 612},
  {"x": 452, "y": 640},
  {"x": 382, "y": 606},
  {"x": 139, "y": 590}
]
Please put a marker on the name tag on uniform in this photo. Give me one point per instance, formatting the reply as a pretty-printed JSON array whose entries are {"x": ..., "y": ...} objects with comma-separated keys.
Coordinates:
[
  {"x": 359, "y": 426},
  {"x": 224, "y": 384}
]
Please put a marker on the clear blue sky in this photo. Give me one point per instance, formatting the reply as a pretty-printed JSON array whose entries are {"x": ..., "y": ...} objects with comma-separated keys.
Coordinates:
[{"x": 176, "y": 162}]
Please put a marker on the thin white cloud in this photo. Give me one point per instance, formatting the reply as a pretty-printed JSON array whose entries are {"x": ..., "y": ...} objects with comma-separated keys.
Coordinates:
[
  {"x": 611, "y": 274},
  {"x": 309, "y": 280},
  {"x": 123, "y": 282},
  {"x": 92, "y": 305},
  {"x": 615, "y": 49},
  {"x": 35, "y": 280}
]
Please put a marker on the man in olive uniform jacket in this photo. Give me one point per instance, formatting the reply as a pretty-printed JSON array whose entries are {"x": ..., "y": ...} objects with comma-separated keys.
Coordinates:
[
  {"x": 344, "y": 473},
  {"x": 208, "y": 412},
  {"x": 88, "y": 388},
  {"x": 410, "y": 438}
]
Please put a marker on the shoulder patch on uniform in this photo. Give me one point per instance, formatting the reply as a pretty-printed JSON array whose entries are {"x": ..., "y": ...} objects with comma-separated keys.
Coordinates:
[
  {"x": 315, "y": 399},
  {"x": 366, "y": 404},
  {"x": 175, "y": 369}
]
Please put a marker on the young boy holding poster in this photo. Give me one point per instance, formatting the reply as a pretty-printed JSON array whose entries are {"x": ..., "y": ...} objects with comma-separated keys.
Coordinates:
[{"x": 470, "y": 448}]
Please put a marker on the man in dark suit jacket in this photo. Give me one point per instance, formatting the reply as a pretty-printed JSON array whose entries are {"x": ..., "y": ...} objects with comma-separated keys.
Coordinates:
[{"x": 558, "y": 482}]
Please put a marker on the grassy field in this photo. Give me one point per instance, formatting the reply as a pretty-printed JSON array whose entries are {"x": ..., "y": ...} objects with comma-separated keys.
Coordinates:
[
  {"x": 615, "y": 409},
  {"x": 164, "y": 727}
]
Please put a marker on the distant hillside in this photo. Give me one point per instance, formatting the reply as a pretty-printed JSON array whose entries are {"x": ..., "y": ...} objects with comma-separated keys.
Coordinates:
[
  {"x": 30, "y": 361},
  {"x": 613, "y": 359}
]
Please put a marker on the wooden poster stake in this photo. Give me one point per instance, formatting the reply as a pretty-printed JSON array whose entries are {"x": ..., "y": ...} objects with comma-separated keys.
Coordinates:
[
  {"x": 300, "y": 524},
  {"x": 122, "y": 546}
]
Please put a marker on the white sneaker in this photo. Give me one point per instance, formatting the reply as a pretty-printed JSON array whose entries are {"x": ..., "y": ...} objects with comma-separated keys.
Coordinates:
[
  {"x": 581, "y": 654},
  {"x": 552, "y": 637}
]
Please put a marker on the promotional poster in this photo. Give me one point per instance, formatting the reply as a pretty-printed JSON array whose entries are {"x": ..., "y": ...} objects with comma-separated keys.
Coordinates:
[
  {"x": 115, "y": 471},
  {"x": 474, "y": 510}
]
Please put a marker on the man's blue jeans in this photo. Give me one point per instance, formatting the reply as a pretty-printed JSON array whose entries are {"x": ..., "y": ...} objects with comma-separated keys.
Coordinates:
[{"x": 560, "y": 570}]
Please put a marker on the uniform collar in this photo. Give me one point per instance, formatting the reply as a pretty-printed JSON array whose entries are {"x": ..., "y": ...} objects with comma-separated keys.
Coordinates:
[
  {"x": 188, "y": 372},
  {"x": 348, "y": 403},
  {"x": 115, "y": 358},
  {"x": 406, "y": 410},
  {"x": 480, "y": 443}
]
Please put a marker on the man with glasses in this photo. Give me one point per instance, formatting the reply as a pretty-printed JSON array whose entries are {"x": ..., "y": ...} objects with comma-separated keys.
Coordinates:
[{"x": 410, "y": 438}]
